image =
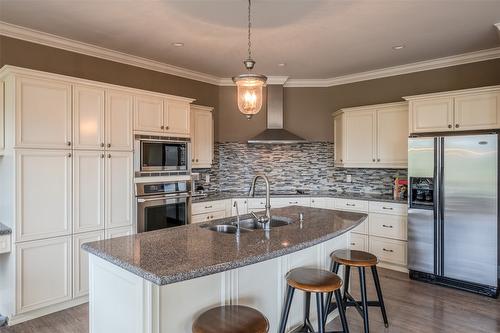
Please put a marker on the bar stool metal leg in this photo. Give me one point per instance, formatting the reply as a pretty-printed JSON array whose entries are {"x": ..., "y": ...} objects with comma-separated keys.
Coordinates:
[
  {"x": 320, "y": 306},
  {"x": 341, "y": 307},
  {"x": 286, "y": 309},
  {"x": 364, "y": 301},
  {"x": 379, "y": 295},
  {"x": 307, "y": 323},
  {"x": 347, "y": 273}
]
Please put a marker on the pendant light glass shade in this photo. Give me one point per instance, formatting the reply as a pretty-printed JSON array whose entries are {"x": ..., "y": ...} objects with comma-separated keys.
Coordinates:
[{"x": 249, "y": 91}]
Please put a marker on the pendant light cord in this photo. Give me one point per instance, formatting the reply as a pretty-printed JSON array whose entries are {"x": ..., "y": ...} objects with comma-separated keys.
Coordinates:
[{"x": 249, "y": 29}]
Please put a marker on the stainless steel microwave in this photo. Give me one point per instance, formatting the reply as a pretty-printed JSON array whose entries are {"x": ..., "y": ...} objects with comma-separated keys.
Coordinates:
[{"x": 160, "y": 155}]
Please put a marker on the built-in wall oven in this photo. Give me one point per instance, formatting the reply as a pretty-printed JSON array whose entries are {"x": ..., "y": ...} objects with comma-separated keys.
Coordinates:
[
  {"x": 161, "y": 155},
  {"x": 162, "y": 204}
]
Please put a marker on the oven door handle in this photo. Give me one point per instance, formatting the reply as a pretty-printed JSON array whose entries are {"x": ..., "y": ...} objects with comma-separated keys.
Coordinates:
[{"x": 162, "y": 197}]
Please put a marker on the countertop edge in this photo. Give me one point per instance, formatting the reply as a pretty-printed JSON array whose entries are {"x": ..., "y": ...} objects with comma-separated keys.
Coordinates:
[{"x": 209, "y": 270}]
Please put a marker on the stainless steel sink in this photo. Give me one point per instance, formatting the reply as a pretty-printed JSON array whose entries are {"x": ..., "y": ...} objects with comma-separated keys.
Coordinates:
[
  {"x": 226, "y": 229},
  {"x": 276, "y": 221}
]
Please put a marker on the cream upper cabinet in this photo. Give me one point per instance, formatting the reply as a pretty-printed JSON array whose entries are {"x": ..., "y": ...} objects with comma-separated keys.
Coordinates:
[
  {"x": 392, "y": 131},
  {"x": 202, "y": 136},
  {"x": 43, "y": 193},
  {"x": 477, "y": 111},
  {"x": 461, "y": 110},
  {"x": 119, "y": 120},
  {"x": 360, "y": 137},
  {"x": 118, "y": 189},
  {"x": 88, "y": 117},
  {"x": 88, "y": 191},
  {"x": 176, "y": 118},
  {"x": 433, "y": 115},
  {"x": 338, "y": 140},
  {"x": 43, "y": 113},
  {"x": 43, "y": 270},
  {"x": 373, "y": 136},
  {"x": 148, "y": 113}
]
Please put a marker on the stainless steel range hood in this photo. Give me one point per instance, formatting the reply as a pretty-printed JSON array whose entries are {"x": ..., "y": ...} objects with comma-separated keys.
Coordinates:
[{"x": 275, "y": 133}]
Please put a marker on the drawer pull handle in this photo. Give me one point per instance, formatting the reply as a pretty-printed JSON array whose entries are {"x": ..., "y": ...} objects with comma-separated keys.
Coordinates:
[
  {"x": 208, "y": 207},
  {"x": 353, "y": 244},
  {"x": 387, "y": 250},
  {"x": 350, "y": 205},
  {"x": 388, "y": 208},
  {"x": 387, "y": 226},
  {"x": 293, "y": 202}
]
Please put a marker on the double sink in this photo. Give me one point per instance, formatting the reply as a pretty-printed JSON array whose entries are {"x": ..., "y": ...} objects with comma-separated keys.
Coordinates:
[{"x": 247, "y": 225}]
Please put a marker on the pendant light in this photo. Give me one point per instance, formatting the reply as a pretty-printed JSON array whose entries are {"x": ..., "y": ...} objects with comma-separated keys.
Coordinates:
[{"x": 249, "y": 85}]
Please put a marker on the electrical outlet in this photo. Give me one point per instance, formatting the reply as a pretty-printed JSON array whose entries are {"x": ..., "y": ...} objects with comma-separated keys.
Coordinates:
[
  {"x": 207, "y": 178},
  {"x": 348, "y": 178}
]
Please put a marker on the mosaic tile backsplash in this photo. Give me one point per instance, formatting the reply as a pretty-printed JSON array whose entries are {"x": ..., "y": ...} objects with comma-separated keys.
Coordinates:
[{"x": 308, "y": 166}]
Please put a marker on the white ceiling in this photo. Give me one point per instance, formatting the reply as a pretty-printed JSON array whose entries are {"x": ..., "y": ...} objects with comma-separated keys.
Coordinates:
[{"x": 317, "y": 39}]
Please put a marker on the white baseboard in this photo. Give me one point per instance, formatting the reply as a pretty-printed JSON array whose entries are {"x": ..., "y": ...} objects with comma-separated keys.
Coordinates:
[{"x": 22, "y": 317}]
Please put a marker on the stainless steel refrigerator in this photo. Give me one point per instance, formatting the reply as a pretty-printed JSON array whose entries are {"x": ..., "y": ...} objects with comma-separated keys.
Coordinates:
[{"x": 453, "y": 211}]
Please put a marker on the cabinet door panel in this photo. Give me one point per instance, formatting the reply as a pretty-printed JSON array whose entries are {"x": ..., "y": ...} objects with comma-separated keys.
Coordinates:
[
  {"x": 477, "y": 111},
  {"x": 392, "y": 136},
  {"x": 88, "y": 191},
  {"x": 148, "y": 113},
  {"x": 43, "y": 270},
  {"x": 338, "y": 129},
  {"x": 81, "y": 261},
  {"x": 43, "y": 113},
  {"x": 177, "y": 118},
  {"x": 431, "y": 115},
  {"x": 88, "y": 117},
  {"x": 119, "y": 193},
  {"x": 202, "y": 138},
  {"x": 360, "y": 137},
  {"x": 119, "y": 232},
  {"x": 43, "y": 198},
  {"x": 119, "y": 121}
]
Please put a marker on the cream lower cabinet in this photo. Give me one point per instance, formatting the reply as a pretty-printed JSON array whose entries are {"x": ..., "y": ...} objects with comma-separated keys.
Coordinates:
[
  {"x": 461, "y": 110},
  {"x": 202, "y": 136},
  {"x": 242, "y": 206},
  {"x": 43, "y": 193},
  {"x": 209, "y": 210},
  {"x": 81, "y": 261},
  {"x": 373, "y": 136},
  {"x": 119, "y": 232},
  {"x": 43, "y": 270},
  {"x": 118, "y": 189}
]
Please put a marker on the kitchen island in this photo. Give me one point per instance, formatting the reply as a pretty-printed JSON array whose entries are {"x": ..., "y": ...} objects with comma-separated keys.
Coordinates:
[{"x": 161, "y": 281}]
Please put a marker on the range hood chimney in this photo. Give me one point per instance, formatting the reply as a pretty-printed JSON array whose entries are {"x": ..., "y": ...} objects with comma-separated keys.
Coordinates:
[{"x": 275, "y": 133}]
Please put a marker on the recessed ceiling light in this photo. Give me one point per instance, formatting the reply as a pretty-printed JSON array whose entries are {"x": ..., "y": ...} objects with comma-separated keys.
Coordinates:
[
  {"x": 282, "y": 64},
  {"x": 398, "y": 47},
  {"x": 178, "y": 44}
]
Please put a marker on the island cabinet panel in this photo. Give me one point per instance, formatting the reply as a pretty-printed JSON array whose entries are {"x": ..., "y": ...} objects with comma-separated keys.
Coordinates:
[
  {"x": 43, "y": 282},
  {"x": 88, "y": 117},
  {"x": 119, "y": 120},
  {"x": 42, "y": 113}
]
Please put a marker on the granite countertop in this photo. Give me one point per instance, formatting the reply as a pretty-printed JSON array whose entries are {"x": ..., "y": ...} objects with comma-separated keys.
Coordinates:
[
  {"x": 187, "y": 252},
  {"x": 343, "y": 195},
  {"x": 5, "y": 230}
]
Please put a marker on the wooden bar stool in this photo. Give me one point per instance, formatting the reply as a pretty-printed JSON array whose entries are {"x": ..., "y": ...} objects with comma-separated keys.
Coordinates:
[
  {"x": 318, "y": 281},
  {"x": 361, "y": 260},
  {"x": 231, "y": 319}
]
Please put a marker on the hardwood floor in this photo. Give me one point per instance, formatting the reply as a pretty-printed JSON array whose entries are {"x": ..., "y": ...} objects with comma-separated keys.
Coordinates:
[{"x": 411, "y": 306}]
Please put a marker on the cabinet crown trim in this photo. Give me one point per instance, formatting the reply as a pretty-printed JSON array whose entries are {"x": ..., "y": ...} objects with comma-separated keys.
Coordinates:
[
  {"x": 453, "y": 93},
  {"x": 370, "y": 107},
  {"x": 202, "y": 107}
]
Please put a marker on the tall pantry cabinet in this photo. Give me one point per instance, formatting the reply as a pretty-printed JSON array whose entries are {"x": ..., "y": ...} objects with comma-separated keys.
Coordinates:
[{"x": 67, "y": 178}]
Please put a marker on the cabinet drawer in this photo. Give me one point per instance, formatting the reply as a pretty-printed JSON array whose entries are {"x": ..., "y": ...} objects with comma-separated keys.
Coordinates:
[
  {"x": 362, "y": 228},
  {"x": 358, "y": 242},
  {"x": 388, "y": 250},
  {"x": 390, "y": 226},
  {"x": 256, "y": 204},
  {"x": 207, "y": 207},
  {"x": 283, "y": 202},
  {"x": 5, "y": 243},
  {"x": 388, "y": 208},
  {"x": 353, "y": 205},
  {"x": 325, "y": 203},
  {"x": 208, "y": 216}
]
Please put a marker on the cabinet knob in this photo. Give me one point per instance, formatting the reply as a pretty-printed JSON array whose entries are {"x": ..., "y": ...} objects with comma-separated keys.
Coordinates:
[
  {"x": 196, "y": 160},
  {"x": 162, "y": 127},
  {"x": 102, "y": 155},
  {"x": 192, "y": 160},
  {"x": 69, "y": 143},
  {"x": 166, "y": 127},
  {"x": 69, "y": 155},
  {"x": 341, "y": 161},
  {"x": 109, "y": 145},
  {"x": 109, "y": 155},
  {"x": 373, "y": 160},
  {"x": 457, "y": 125},
  {"x": 378, "y": 159},
  {"x": 102, "y": 144},
  {"x": 449, "y": 126}
]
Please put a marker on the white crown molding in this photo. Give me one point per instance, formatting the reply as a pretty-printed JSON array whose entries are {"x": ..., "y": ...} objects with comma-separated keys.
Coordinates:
[
  {"x": 34, "y": 36},
  {"x": 420, "y": 66}
]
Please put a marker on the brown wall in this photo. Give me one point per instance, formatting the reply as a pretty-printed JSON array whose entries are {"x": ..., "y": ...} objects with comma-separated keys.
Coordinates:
[
  {"x": 35, "y": 56},
  {"x": 308, "y": 110}
]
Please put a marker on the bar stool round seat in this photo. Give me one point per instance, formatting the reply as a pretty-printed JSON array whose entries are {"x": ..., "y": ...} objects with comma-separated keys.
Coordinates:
[
  {"x": 231, "y": 319},
  {"x": 354, "y": 258},
  {"x": 313, "y": 280}
]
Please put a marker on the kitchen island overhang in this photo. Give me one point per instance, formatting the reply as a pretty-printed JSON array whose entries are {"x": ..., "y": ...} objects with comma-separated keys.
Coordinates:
[{"x": 161, "y": 281}]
